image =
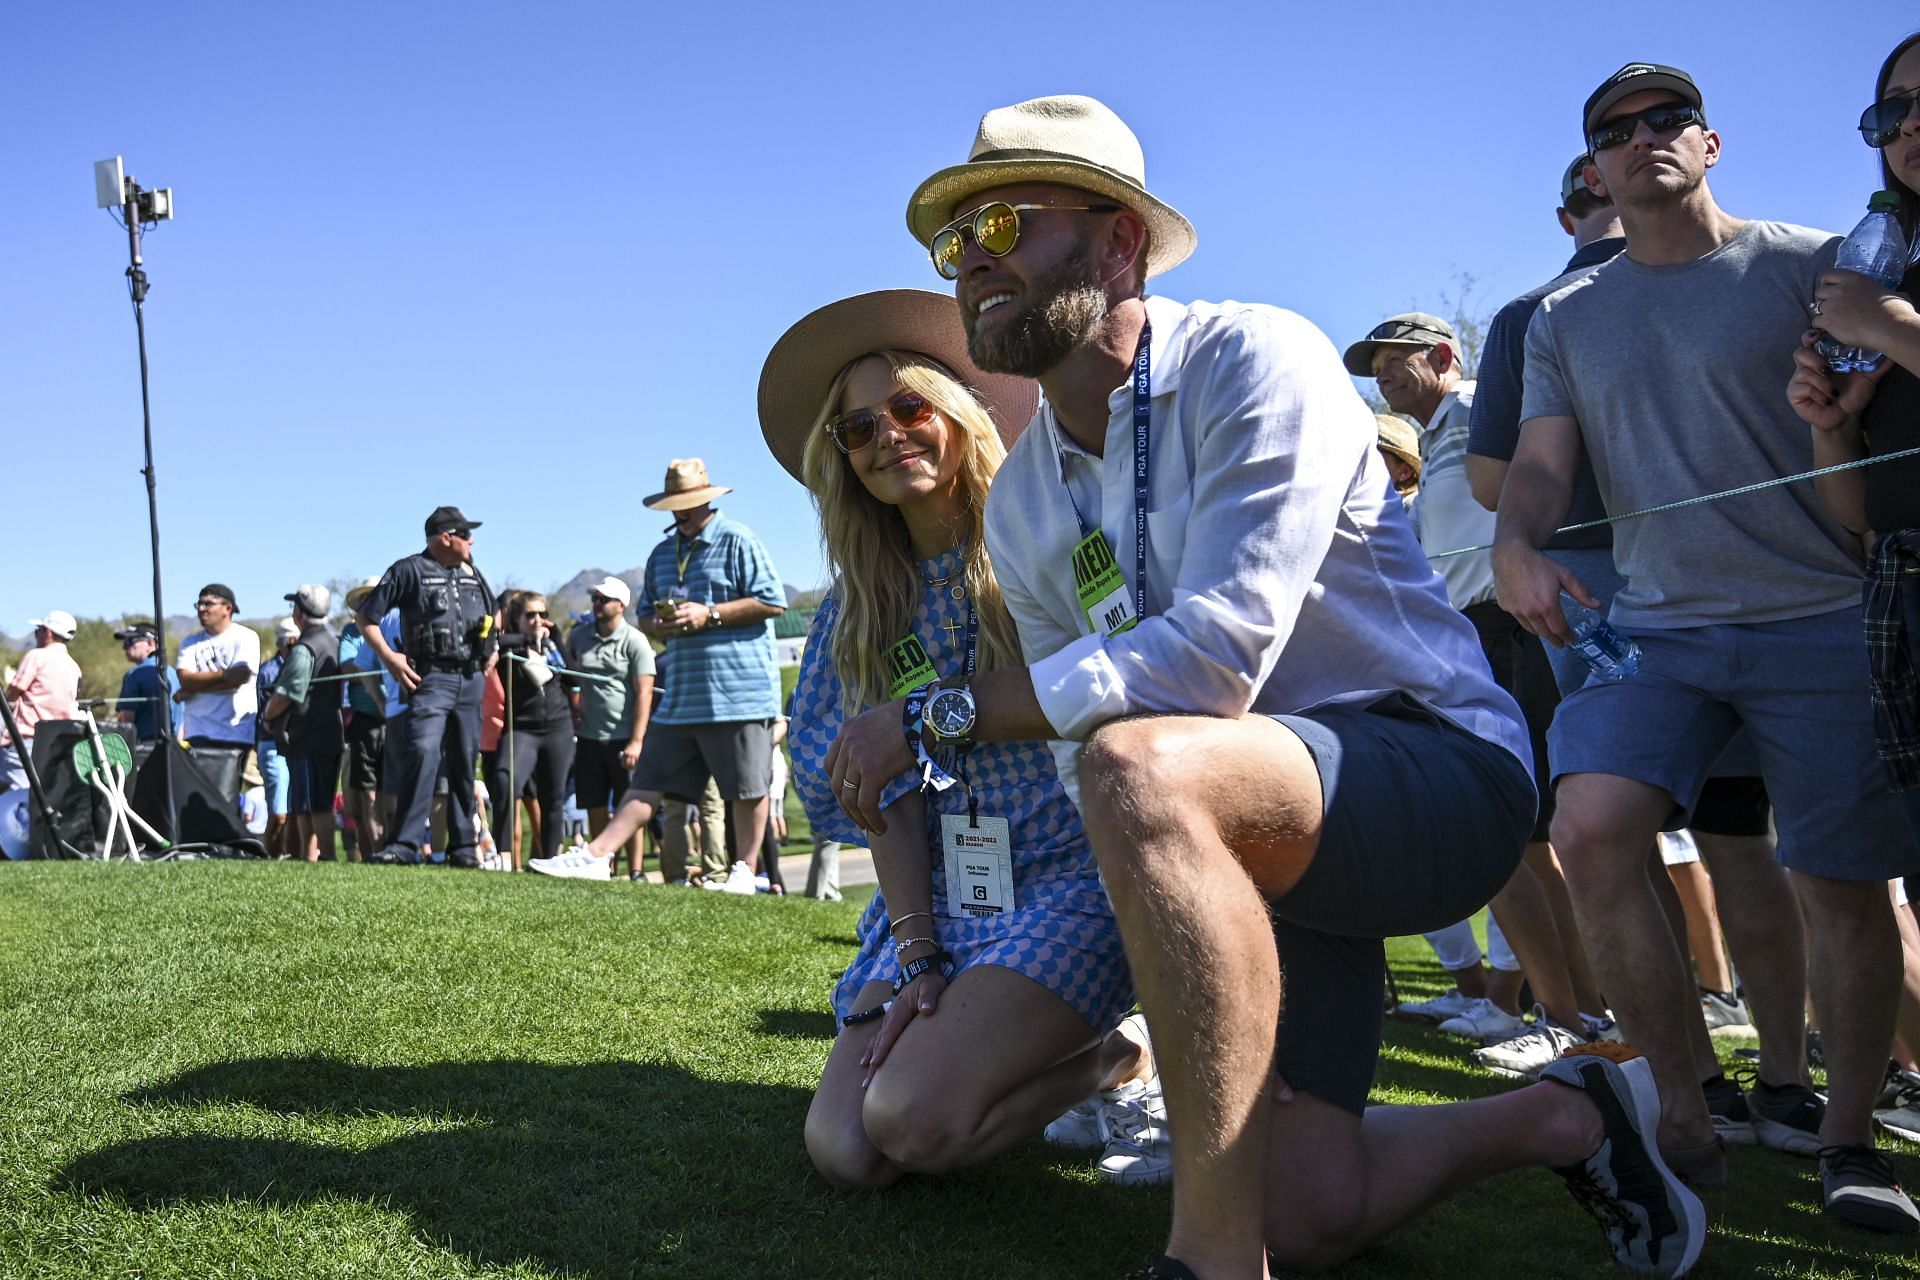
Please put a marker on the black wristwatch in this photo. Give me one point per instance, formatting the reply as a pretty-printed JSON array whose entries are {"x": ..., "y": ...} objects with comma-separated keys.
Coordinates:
[{"x": 950, "y": 716}]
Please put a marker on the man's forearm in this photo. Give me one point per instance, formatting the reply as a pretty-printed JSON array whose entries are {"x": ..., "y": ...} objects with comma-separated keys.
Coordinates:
[
  {"x": 1532, "y": 502},
  {"x": 1006, "y": 709},
  {"x": 740, "y": 613}
]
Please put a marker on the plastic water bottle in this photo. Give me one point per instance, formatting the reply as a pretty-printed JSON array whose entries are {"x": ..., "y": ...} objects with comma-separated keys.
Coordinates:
[
  {"x": 1612, "y": 656},
  {"x": 1877, "y": 250}
]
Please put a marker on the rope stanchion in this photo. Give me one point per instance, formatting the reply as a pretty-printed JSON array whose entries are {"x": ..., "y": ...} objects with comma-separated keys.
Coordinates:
[{"x": 1736, "y": 492}]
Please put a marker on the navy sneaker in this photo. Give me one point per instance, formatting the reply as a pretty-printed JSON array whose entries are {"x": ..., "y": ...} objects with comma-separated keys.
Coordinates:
[
  {"x": 396, "y": 855},
  {"x": 1653, "y": 1223}
]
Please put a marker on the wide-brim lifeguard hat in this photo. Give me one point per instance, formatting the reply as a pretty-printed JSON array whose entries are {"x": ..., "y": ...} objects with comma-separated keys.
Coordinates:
[
  {"x": 1397, "y": 437},
  {"x": 802, "y": 366},
  {"x": 1071, "y": 140},
  {"x": 687, "y": 486}
]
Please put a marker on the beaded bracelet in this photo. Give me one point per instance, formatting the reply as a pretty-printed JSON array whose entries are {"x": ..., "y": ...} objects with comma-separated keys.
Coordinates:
[{"x": 900, "y": 945}]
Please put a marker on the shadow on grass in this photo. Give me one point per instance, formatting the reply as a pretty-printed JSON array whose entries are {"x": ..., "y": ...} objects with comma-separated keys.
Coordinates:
[
  {"x": 797, "y": 1024},
  {"x": 600, "y": 1169}
]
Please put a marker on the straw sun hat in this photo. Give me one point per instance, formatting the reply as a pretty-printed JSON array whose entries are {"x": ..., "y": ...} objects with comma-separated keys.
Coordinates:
[
  {"x": 803, "y": 364},
  {"x": 1070, "y": 140},
  {"x": 687, "y": 486}
]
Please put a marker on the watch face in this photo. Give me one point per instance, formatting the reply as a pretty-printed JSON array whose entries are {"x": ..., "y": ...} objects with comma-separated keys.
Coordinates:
[{"x": 950, "y": 714}]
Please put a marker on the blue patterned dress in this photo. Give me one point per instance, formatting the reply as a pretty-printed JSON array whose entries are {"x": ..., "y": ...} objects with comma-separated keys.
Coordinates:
[{"x": 1061, "y": 931}]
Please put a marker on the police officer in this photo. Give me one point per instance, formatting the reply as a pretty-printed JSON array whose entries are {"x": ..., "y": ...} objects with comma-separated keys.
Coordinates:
[{"x": 447, "y": 647}]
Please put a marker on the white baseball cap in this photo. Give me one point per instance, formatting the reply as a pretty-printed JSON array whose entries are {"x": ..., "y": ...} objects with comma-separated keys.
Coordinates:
[{"x": 58, "y": 621}]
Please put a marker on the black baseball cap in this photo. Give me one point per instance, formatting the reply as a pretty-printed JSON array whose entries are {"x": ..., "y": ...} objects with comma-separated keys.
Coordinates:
[
  {"x": 1637, "y": 77},
  {"x": 449, "y": 520},
  {"x": 136, "y": 631},
  {"x": 221, "y": 590}
]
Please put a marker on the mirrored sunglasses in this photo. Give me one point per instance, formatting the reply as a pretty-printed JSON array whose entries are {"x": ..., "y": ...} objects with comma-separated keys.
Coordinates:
[
  {"x": 1881, "y": 122},
  {"x": 1668, "y": 117},
  {"x": 995, "y": 228},
  {"x": 852, "y": 431}
]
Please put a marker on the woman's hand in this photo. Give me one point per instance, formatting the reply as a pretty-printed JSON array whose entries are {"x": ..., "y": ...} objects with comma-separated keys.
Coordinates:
[
  {"x": 1828, "y": 401},
  {"x": 1857, "y": 310},
  {"x": 871, "y": 749},
  {"x": 919, "y": 998}
]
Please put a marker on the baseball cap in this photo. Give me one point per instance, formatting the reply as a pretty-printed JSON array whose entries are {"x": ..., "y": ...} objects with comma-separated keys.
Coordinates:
[
  {"x": 288, "y": 628},
  {"x": 613, "y": 589},
  {"x": 220, "y": 590},
  {"x": 58, "y": 621},
  {"x": 1637, "y": 77},
  {"x": 1574, "y": 181},
  {"x": 449, "y": 520},
  {"x": 1414, "y": 329},
  {"x": 136, "y": 631},
  {"x": 314, "y": 600}
]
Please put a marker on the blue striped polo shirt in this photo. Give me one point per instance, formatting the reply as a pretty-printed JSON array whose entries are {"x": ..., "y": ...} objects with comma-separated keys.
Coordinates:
[{"x": 726, "y": 673}]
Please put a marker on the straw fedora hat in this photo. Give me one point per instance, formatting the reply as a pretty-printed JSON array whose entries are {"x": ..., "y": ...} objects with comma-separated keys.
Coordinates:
[
  {"x": 1398, "y": 438},
  {"x": 1071, "y": 140},
  {"x": 803, "y": 364},
  {"x": 687, "y": 486}
]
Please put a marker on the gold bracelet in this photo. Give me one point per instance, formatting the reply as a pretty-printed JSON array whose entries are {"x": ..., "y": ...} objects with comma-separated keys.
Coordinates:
[{"x": 911, "y": 915}]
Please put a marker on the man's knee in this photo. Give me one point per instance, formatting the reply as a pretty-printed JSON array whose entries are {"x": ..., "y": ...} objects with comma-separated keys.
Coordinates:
[
  {"x": 1863, "y": 902},
  {"x": 1136, "y": 772},
  {"x": 1314, "y": 1237}
]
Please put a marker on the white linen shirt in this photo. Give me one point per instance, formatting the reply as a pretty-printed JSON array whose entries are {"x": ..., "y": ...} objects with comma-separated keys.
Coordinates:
[
  {"x": 1282, "y": 573},
  {"x": 1449, "y": 517}
]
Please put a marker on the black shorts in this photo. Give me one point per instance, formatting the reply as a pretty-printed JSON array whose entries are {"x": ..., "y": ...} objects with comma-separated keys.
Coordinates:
[
  {"x": 1733, "y": 807},
  {"x": 677, "y": 759},
  {"x": 1423, "y": 823},
  {"x": 312, "y": 783},
  {"x": 1520, "y": 666},
  {"x": 599, "y": 779},
  {"x": 366, "y": 747}
]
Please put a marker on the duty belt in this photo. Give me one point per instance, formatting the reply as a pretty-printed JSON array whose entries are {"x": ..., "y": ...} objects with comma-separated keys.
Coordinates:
[{"x": 459, "y": 667}]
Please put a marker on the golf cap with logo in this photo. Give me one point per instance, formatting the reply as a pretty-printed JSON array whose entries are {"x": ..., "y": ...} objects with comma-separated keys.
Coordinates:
[
  {"x": 449, "y": 520},
  {"x": 1574, "y": 181},
  {"x": 1637, "y": 77},
  {"x": 613, "y": 589},
  {"x": 314, "y": 600},
  {"x": 58, "y": 621},
  {"x": 136, "y": 631},
  {"x": 1415, "y": 330}
]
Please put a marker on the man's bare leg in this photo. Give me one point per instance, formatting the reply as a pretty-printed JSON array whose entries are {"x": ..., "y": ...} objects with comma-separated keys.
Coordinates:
[
  {"x": 1766, "y": 939},
  {"x": 1695, "y": 887},
  {"x": 745, "y": 830},
  {"x": 635, "y": 811},
  {"x": 1604, "y": 827},
  {"x": 1527, "y": 919},
  {"x": 1553, "y": 883},
  {"x": 1855, "y": 969},
  {"x": 1192, "y": 821}
]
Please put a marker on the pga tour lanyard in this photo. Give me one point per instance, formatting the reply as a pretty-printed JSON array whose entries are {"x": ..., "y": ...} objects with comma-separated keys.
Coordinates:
[{"x": 1142, "y": 424}]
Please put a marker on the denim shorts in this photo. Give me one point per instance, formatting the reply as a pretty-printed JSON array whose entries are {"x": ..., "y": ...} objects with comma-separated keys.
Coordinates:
[
  {"x": 1422, "y": 823},
  {"x": 1799, "y": 688}
]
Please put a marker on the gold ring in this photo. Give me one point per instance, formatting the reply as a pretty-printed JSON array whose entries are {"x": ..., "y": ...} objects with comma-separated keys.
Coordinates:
[{"x": 851, "y": 785}]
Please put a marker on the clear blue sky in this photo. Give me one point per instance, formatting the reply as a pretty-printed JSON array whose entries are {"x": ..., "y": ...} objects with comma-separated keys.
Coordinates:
[{"x": 516, "y": 257}]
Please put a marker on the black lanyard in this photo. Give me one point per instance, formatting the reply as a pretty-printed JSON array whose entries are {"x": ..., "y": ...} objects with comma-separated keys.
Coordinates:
[{"x": 1142, "y": 429}]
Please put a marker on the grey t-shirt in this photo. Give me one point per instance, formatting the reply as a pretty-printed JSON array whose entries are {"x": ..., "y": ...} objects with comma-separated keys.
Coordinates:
[{"x": 1678, "y": 378}]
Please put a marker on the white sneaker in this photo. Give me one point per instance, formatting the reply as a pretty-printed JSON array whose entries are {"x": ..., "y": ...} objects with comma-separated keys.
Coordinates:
[
  {"x": 1080, "y": 1128},
  {"x": 1601, "y": 1026},
  {"x": 1485, "y": 1022},
  {"x": 1524, "y": 1055},
  {"x": 1438, "y": 1009},
  {"x": 1726, "y": 1014},
  {"x": 739, "y": 880},
  {"x": 1139, "y": 1149},
  {"x": 577, "y": 862}
]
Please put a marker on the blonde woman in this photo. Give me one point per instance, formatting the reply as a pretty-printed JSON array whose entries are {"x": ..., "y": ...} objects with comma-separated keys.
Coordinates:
[{"x": 974, "y": 1012}]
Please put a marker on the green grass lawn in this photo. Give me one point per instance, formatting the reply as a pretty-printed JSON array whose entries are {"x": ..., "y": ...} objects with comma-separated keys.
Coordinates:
[{"x": 283, "y": 1070}]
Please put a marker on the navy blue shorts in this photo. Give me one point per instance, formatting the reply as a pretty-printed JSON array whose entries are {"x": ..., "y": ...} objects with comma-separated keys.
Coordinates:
[
  {"x": 1423, "y": 822},
  {"x": 312, "y": 783}
]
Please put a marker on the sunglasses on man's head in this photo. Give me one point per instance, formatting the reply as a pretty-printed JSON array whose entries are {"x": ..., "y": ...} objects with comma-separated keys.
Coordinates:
[
  {"x": 994, "y": 227},
  {"x": 1668, "y": 117},
  {"x": 1881, "y": 122},
  {"x": 856, "y": 430}
]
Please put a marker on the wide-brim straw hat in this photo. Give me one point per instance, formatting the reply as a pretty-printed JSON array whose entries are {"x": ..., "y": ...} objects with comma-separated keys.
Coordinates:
[
  {"x": 1071, "y": 140},
  {"x": 687, "y": 486},
  {"x": 802, "y": 366},
  {"x": 360, "y": 590}
]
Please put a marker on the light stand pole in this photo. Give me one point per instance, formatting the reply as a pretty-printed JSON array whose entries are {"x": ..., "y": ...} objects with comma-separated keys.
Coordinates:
[{"x": 112, "y": 188}]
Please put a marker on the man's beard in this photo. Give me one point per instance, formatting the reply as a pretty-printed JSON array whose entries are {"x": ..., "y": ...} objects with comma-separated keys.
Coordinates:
[{"x": 1071, "y": 304}]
